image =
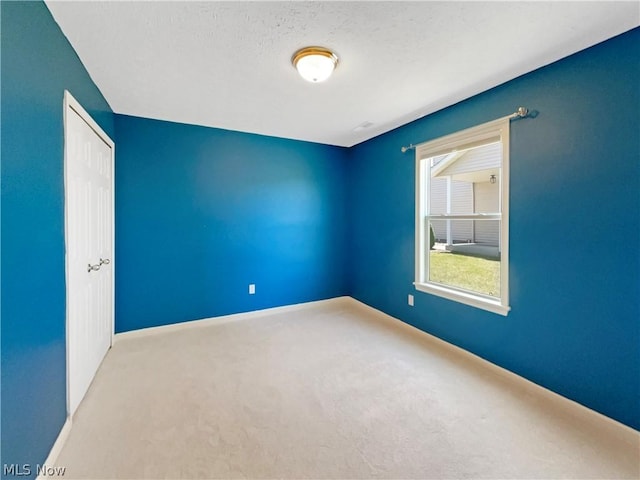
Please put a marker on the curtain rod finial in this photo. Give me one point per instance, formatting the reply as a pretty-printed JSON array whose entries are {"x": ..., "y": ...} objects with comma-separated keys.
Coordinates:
[{"x": 404, "y": 149}]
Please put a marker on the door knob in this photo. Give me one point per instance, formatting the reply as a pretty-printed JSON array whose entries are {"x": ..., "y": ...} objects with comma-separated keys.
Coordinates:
[{"x": 96, "y": 267}]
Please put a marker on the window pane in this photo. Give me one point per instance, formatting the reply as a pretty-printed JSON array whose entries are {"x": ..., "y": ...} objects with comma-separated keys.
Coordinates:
[
  {"x": 438, "y": 196},
  {"x": 466, "y": 182},
  {"x": 462, "y": 216},
  {"x": 472, "y": 264}
]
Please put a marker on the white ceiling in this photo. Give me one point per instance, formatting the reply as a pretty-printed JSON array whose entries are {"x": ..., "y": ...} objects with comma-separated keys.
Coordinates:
[{"x": 227, "y": 64}]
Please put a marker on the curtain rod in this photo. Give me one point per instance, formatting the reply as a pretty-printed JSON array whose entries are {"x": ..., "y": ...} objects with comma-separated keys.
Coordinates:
[{"x": 520, "y": 113}]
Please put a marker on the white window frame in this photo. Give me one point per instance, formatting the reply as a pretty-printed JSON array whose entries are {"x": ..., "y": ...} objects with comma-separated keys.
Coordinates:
[{"x": 463, "y": 139}]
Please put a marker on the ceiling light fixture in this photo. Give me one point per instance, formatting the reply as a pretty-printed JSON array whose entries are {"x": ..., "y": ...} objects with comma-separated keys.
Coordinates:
[{"x": 315, "y": 64}]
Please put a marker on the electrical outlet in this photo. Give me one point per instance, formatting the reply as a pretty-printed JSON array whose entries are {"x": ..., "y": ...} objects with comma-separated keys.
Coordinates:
[
  {"x": 410, "y": 300},
  {"x": 252, "y": 289}
]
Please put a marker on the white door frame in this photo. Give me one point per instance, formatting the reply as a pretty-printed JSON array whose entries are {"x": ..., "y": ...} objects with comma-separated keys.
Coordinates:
[{"x": 70, "y": 103}]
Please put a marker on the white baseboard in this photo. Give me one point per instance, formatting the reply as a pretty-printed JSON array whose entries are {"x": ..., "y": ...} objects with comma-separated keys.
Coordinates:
[
  {"x": 204, "y": 322},
  {"x": 566, "y": 403},
  {"x": 57, "y": 446}
]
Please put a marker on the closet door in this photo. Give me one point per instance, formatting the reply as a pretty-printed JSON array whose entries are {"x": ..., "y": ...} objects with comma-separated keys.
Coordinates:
[{"x": 89, "y": 248}]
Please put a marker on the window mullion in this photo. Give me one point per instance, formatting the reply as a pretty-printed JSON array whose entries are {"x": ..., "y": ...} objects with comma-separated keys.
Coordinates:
[{"x": 471, "y": 216}]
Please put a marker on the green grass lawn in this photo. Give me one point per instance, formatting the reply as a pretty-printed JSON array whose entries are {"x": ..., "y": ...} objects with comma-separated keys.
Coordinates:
[{"x": 464, "y": 271}]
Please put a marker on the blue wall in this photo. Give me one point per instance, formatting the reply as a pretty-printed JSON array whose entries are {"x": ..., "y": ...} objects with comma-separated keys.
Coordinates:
[
  {"x": 37, "y": 65},
  {"x": 574, "y": 231},
  {"x": 203, "y": 212}
]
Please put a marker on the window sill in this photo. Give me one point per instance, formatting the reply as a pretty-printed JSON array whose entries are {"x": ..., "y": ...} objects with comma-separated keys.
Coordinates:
[{"x": 467, "y": 298}]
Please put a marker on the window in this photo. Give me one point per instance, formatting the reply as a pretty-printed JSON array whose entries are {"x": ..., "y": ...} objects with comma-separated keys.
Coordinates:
[{"x": 462, "y": 216}]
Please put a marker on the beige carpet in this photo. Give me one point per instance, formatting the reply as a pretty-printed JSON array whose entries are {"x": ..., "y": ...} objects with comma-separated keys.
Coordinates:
[{"x": 332, "y": 391}]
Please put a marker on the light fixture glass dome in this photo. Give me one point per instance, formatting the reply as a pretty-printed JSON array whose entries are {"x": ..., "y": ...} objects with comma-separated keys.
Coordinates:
[{"x": 315, "y": 64}]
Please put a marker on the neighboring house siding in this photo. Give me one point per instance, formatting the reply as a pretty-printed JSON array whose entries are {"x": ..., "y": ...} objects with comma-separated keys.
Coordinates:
[
  {"x": 462, "y": 202},
  {"x": 489, "y": 156},
  {"x": 487, "y": 201},
  {"x": 438, "y": 200},
  {"x": 438, "y": 197}
]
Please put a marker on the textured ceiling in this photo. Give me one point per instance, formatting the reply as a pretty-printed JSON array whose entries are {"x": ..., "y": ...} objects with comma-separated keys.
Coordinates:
[{"x": 227, "y": 64}]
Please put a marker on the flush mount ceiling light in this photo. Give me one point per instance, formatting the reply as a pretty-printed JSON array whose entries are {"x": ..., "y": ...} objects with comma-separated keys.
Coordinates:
[{"x": 314, "y": 64}]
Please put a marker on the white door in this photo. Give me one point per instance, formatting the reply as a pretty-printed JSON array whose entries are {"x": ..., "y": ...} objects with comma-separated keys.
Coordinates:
[{"x": 89, "y": 248}]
